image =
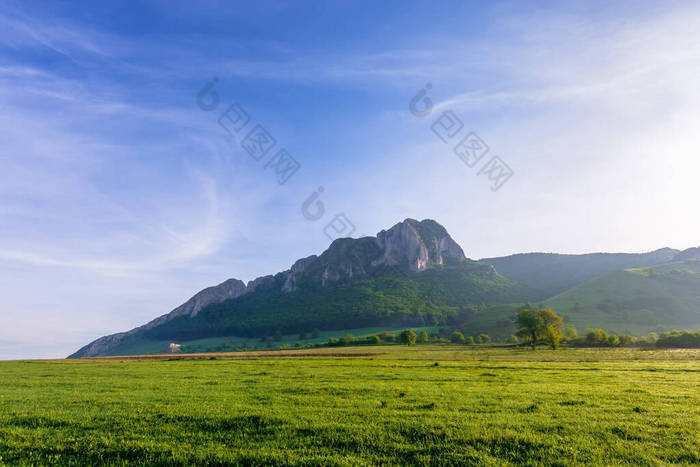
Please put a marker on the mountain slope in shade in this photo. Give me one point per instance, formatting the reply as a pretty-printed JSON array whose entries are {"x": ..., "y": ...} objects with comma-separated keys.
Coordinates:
[
  {"x": 636, "y": 300},
  {"x": 551, "y": 274},
  {"x": 690, "y": 253},
  {"x": 411, "y": 273}
]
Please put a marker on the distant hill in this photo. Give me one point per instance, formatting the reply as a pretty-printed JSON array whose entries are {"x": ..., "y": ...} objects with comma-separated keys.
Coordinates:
[
  {"x": 550, "y": 273},
  {"x": 413, "y": 274},
  {"x": 636, "y": 300},
  {"x": 690, "y": 253}
]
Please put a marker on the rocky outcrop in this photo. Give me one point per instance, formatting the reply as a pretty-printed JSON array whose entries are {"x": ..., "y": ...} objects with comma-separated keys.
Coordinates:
[
  {"x": 409, "y": 245},
  {"x": 259, "y": 282},
  {"x": 296, "y": 271},
  {"x": 417, "y": 245}
]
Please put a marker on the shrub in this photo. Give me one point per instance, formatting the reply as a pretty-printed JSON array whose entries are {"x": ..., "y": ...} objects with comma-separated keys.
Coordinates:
[
  {"x": 484, "y": 338},
  {"x": 457, "y": 337},
  {"x": 570, "y": 333},
  {"x": 514, "y": 340},
  {"x": 470, "y": 340},
  {"x": 601, "y": 338},
  {"x": 373, "y": 339},
  {"x": 408, "y": 337},
  {"x": 553, "y": 337},
  {"x": 387, "y": 336},
  {"x": 626, "y": 340},
  {"x": 597, "y": 337},
  {"x": 423, "y": 338},
  {"x": 349, "y": 339},
  {"x": 688, "y": 339}
]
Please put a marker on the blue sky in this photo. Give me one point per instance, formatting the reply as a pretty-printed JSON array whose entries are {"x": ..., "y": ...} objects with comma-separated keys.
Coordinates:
[{"x": 120, "y": 197}]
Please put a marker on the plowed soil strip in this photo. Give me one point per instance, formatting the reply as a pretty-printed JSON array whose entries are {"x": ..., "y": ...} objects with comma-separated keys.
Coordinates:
[{"x": 221, "y": 356}]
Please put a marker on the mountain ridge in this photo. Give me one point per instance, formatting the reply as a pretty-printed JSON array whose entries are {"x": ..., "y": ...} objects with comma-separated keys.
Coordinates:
[
  {"x": 554, "y": 273},
  {"x": 413, "y": 273},
  {"x": 412, "y": 245},
  {"x": 690, "y": 253}
]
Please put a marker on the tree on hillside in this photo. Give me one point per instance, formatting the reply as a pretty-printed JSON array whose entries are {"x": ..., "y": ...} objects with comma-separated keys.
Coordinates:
[
  {"x": 570, "y": 333},
  {"x": 373, "y": 339},
  {"x": 470, "y": 340},
  {"x": 484, "y": 338},
  {"x": 533, "y": 324},
  {"x": 596, "y": 337},
  {"x": 423, "y": 338},
  {"x": 349, "y": 339},
  {"x": 408, "y": 337},
  {"x": 386, "y": 336},
  {"x": 553, "y": 337},
  {"x": 457, "y": 337}
]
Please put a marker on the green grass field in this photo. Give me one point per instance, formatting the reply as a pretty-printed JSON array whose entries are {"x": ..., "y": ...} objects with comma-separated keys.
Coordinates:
[
  {"x": 436, "y": 405},
  {"x": 231, "y": 343}
]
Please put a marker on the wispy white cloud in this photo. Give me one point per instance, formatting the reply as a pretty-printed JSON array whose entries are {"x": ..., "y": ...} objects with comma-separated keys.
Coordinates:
[{"x": 596, "y": 121}]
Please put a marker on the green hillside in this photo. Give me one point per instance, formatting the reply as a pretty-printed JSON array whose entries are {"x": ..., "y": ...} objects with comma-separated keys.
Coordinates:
[
  {"x": 551, "y": 273},
  {"x": 439, "y": 296},
  {"x": 238, "y": 343},
  {"x": 636, "y": 300}
]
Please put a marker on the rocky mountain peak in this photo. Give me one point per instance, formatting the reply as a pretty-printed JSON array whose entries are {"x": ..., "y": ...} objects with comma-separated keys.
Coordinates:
[
  {"x": 417, "y": 245},
  {"x": 410, "y": 245}
]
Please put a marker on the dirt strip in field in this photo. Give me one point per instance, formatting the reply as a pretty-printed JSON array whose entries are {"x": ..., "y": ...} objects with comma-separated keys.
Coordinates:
[{"x": 234, "y": 355}]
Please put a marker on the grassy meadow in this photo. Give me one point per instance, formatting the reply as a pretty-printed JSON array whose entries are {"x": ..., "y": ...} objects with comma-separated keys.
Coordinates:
[
  {"x": 236, "y": 343},
  {"x": 424, "y": 405}
]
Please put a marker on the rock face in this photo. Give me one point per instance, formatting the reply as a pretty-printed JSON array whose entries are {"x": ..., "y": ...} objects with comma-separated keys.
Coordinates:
[
  {"x": 417, "y": 245},
  {"x": 409, "y": 245},
  {"x": 296, "y": 271}
]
